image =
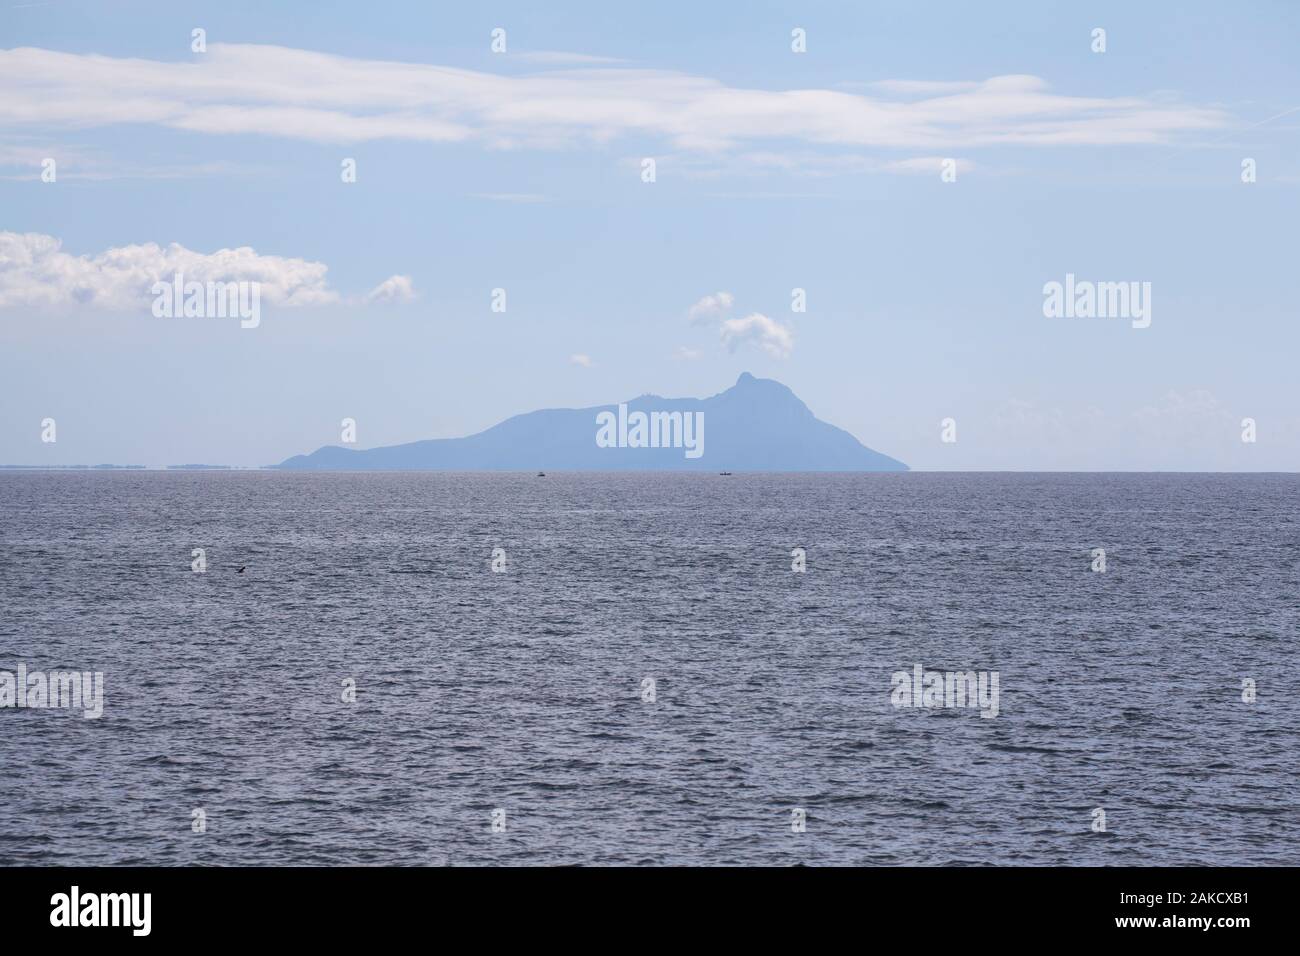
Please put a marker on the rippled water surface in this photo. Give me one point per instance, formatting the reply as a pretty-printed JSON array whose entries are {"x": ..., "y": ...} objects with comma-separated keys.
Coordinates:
[{"x": 523, "y": 690}]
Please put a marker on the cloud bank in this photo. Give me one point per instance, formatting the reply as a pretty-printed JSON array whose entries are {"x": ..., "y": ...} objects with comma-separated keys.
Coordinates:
[{"x": 35, "y": 272}]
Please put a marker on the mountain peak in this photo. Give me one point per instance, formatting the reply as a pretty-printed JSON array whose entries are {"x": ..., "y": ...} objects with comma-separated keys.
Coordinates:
[{"x": 745, "y": 379}]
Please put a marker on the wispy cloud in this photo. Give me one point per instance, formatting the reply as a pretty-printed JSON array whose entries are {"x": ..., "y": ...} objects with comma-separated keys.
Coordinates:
[
  {"x": 392, "y": 289},
  {"x": 578, "y": 358},
  {"x": 278, "y": 91}
]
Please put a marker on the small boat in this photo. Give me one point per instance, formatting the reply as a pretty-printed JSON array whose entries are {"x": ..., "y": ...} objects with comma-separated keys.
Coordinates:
[
  {"x": 541, "y": 474},
  {"x": 724, "y": 473}
]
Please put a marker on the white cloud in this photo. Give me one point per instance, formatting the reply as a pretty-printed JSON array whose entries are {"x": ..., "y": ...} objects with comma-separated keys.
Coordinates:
[
  {"x": 711, "y": 307},
  {"x": 757, "y": 329},
  {"x": 684, "y": 354},
  {"x": 770, "y": 335},
  {"x": 579, "y": 359},
  {"x": 278, "y": 91},
  {"x": 36, "y": 272},
  {"x": 392, "y": 289}
]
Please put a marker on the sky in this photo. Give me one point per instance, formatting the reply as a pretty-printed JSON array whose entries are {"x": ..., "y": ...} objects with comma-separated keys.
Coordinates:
[{"x": 524, "y": 170}]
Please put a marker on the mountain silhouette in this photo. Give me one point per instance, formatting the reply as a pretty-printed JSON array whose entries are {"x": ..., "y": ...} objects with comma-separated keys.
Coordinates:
[{"x": 756, "y": 425}]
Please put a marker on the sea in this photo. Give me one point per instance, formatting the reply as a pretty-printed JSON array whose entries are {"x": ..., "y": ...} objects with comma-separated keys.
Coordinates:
[{"x": 628, "y": 669}]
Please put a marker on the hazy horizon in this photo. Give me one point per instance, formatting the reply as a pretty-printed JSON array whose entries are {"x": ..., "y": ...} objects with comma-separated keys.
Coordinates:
[{"x": 214, "y": 464}]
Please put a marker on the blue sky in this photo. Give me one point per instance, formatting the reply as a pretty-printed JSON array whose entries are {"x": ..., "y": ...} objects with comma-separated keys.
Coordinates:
[{"x": 775, "y": 170}]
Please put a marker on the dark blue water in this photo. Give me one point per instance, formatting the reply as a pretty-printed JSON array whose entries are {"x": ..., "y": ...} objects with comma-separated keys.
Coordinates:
[{"x": 522, "y": 690}]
